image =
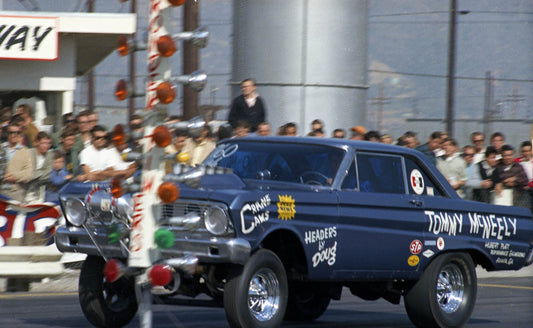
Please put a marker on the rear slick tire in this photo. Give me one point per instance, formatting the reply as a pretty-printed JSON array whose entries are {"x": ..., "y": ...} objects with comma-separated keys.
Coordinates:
[{"x": 446, "y": 293}]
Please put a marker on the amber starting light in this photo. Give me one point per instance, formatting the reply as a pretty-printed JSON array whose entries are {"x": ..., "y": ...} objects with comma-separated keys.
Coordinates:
[
  {"x": 116, "y": 187},
  {"x": 166, "y": 46},
  {"x": 118, "y": 135},
  {"x": 123, "y": 45},
  {"x": 166, "y": 92},
  {"x": 168, "y": 192},
  {"x": 121, "y": 90},
  {"x": 162, "y": 136},
  {"x": 176, "y": 3},
  {"x": 183, "y": 157}
]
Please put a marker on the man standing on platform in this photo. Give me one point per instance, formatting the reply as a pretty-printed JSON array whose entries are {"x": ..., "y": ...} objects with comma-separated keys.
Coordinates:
[{"x": 247, "y": 107}]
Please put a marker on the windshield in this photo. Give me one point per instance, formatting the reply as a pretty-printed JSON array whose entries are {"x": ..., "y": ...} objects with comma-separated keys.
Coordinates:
[{"x": 299, "y": 163}]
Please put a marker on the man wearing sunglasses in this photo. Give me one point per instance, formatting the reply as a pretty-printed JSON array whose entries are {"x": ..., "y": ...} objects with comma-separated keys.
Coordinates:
[
  {"x": 19, "y": 168},
  {"x": 97, "y": 161}
]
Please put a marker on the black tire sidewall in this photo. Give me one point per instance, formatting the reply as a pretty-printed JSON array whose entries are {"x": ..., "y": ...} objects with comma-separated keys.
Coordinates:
[
  {"x": 421, "y": 301},
  {"x": 91, "y": 296},
  {"x": 236, "y": 291}
]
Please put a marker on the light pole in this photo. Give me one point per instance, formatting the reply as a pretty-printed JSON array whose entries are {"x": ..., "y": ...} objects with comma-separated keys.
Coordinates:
[
  {"x": 451, "y": 65},
  {"x": 451, "y": 68}
]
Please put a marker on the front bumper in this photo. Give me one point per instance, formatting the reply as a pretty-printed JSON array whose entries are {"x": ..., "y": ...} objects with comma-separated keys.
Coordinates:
[{"x": 214, "y": 250}]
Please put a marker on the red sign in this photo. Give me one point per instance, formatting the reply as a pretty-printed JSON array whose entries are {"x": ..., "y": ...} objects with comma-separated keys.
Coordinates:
[{"x": 415, "y": 247}]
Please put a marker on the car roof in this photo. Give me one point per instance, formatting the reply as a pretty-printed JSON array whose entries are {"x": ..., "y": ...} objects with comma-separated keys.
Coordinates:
[{"x": 332, "y": 142}]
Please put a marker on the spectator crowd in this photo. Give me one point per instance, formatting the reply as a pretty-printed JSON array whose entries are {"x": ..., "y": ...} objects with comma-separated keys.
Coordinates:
[{"x": 35, "y": 164}]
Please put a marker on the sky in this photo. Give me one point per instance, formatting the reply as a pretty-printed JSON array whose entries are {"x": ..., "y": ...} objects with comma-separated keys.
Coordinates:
[{"x": 407, "y": 55}]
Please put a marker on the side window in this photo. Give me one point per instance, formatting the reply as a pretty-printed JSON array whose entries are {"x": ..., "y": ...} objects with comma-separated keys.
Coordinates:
[
  {"x": 419, "y": 182},
  {"x": 350, "y": 180},
  {"x": 380, "y": 173}
]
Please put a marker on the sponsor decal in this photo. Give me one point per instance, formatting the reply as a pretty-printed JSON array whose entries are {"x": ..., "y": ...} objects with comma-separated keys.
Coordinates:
[
  {"x": 487, "y": 226},
  {"x": 320, "y": 236},
  {"x": 286, "y": 208},
  {"x": 417, "y": 182},
  {"x": 259, "y": 216},
  {"x": 105, "y": 205},
  {"x": 327, "y": 254},
  {"x": 503, "y": 252},
  {"x": 440, "y": 243},
  {"x": 415, "y": 247},
  {"x": 428, "y": 253},
  {"x": 413, "y": 260},
  {"x": 430, "y": 243}
]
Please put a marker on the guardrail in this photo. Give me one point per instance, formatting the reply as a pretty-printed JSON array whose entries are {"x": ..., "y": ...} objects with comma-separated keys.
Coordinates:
[{"x": 31, "y": 262}]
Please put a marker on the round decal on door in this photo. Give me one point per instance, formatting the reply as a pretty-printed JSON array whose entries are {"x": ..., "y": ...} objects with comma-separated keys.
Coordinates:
[{"x": 417, "y": 182}]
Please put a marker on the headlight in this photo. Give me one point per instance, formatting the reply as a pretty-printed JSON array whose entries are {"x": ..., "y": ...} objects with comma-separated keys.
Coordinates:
[
  {"x": 216, "y": 221},
  {"x": 76, "y": 212}
]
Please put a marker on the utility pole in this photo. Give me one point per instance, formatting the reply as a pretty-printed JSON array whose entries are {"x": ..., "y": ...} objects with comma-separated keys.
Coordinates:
[
  {"x": 451, "y": 68},
  {"x": 488, "y": 110},
  {"x": 514, "y": 99},
  {"x": 90, "y": 74},
  {"x": 190, "y": 58},
  {"x": 133, "y": 72},
  {"x": 380, "y": 100}
]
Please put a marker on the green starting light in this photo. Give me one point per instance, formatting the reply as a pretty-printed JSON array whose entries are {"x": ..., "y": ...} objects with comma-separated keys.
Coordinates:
[
  {"x": 164, "y": 238},
  {"x": 113, "y": 233}
]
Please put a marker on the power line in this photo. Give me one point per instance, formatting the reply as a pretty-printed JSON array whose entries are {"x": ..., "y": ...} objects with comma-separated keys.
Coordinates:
[{"x": 444, "y": 76}]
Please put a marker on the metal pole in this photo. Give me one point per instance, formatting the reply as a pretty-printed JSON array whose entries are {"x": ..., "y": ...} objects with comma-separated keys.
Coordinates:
[
  {"x": 190, "y": 58},
  {"x": 90, "y": 74},
  {"x": 133, "y": 73},
  {"x": 451, "y": 68}
]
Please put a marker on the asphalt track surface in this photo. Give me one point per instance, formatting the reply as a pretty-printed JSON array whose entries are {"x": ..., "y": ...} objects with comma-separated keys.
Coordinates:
[{"x": 505, "y": 301}]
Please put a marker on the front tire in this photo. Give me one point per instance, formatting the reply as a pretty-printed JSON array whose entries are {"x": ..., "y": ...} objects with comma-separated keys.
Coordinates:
[
  {"x": 445, "y": 295},
  {"x": 256, "y": 295},
  {"x": 105, "y": 304}
]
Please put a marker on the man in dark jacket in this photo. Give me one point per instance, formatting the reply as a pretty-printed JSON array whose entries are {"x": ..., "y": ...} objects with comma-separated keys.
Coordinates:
[
  {"x": 247, "y": 107},
  {"x": 431, "y": 146}
]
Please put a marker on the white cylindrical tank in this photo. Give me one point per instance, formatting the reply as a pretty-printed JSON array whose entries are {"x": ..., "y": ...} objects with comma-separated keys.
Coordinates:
[{"x": 309, "y": 58}]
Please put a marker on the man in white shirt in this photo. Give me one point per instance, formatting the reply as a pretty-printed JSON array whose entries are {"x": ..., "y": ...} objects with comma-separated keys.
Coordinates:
[{"x": 97, "y": 161}]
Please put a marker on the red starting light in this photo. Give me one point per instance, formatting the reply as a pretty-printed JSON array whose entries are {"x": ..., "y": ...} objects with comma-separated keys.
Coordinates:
[
  {"x": 162, "y": 136},
  {"x": 166, "y": 46},
  {"x": 168, "y": 192},
  {"x": 165, "y": 92},
  {"x": 116, "y": 187},
  {"x": 176, "y": 3},
  {"x": 113, "y": 270},
  {"x": 121, "y": 90},
  {"x": 160, "y": 275},
  {"x": 123, "y": 45},
  {"x": 118, "y": 135}
]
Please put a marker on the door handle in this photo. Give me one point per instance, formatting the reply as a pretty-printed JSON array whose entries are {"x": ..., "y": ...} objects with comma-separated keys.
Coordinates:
[{"x": 416, "y": 202}]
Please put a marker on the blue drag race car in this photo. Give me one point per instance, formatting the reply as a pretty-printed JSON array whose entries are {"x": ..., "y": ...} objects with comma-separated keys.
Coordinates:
[{"x": 279, "y": 225}]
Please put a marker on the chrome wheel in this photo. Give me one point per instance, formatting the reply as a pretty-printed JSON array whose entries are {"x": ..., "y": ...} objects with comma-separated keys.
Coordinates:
[
  {"x": 450, "y": 288},
  {"x": 263, "y": 295}
]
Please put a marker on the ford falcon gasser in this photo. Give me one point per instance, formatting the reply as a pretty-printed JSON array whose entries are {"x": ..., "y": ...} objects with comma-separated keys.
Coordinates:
[{"x": 273, "y": 228}]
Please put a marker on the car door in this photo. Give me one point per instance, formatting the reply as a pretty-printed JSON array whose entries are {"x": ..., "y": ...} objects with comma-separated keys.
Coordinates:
[{"x": 380, "y": 222}]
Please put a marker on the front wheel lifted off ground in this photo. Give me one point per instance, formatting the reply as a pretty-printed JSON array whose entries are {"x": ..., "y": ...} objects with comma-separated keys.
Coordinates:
[
  {"x": 256, "y": 295},
  {"x": 105, "y": 304},
  {"x": 445, "y": 294}
]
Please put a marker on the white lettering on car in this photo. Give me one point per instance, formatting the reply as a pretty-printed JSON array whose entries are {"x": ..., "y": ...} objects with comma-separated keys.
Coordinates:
[
  {"x": 487, "y": 225},
  {"x": 327, "y": 254},
  {"x": 259, "y": 217}
]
